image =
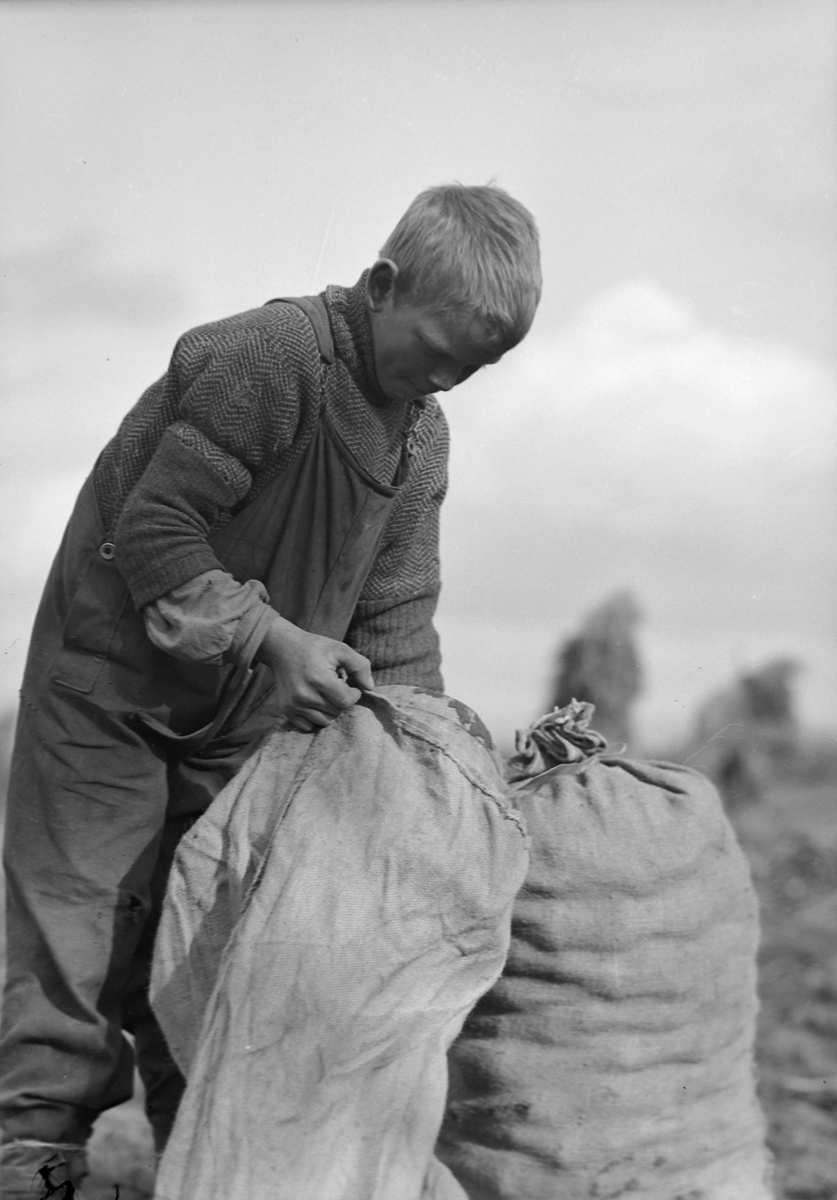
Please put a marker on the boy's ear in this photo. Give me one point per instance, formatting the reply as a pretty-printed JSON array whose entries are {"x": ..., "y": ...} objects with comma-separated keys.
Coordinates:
[{"x": 380, "y": 283}]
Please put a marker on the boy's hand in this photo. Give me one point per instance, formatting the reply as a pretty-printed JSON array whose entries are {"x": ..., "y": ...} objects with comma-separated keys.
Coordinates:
[{"x": 311, "y": 674}]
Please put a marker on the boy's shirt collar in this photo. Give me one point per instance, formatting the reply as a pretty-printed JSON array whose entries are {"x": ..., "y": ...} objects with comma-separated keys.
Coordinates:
[{"x": 352, "y": 331}]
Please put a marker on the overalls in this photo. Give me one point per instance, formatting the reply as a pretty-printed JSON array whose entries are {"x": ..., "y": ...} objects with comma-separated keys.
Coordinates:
[{"x": 120, "y": 747}]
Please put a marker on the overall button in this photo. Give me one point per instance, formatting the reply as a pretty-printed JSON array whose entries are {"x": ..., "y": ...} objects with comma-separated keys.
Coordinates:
[{"x": 107, "y": 550}]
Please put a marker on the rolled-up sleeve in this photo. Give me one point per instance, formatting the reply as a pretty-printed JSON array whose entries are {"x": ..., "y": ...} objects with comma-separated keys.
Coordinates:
[{"x": 210, "y": 619}]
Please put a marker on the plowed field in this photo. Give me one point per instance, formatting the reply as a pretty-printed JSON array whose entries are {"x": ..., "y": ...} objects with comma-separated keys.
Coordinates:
[{"x": 791, "y": 840}]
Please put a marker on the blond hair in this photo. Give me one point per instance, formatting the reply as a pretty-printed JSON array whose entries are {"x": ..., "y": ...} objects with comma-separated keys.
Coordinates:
[{"x": 472, "y": 249}]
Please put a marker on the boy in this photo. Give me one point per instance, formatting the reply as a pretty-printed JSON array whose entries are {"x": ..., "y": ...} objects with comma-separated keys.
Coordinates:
[{"x": 257, "y": 540}]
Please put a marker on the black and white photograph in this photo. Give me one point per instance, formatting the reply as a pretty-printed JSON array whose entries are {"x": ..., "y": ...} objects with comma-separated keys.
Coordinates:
[{"x": 418, "y": 517}]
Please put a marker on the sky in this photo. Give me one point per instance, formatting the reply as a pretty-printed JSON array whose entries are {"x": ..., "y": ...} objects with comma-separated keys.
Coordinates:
[{"x": 669, "y": 424}]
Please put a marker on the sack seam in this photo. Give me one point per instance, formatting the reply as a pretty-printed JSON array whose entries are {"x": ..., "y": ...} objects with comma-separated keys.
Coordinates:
[{"x": 410, "y": 726}]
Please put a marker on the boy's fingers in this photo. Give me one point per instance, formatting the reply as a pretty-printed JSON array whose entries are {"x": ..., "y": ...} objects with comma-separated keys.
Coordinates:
[
  {"x": 358, "y": 668},
  {"x": 309, "y": 718},
  {"x": 337, "y": 695}
]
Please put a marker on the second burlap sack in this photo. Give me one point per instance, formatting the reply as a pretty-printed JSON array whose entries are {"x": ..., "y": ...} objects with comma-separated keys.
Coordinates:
[{"x": 614, "y": 1057}]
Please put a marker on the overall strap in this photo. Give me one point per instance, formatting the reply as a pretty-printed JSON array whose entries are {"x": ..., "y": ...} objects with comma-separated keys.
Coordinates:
[{"x": 317, "y": 313}]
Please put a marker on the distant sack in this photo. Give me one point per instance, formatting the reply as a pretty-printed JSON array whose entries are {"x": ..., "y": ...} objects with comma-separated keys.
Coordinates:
[
  {"x": 615, "y": 1055},
  {"x": 329, "y": 923}
]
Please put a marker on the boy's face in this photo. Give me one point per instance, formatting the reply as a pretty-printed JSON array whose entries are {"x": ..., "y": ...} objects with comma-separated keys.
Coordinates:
[{"x": 418, "y": 351}]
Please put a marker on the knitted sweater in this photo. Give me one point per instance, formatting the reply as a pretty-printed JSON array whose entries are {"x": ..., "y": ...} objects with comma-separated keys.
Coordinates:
[{"x": 239, "y": 402}]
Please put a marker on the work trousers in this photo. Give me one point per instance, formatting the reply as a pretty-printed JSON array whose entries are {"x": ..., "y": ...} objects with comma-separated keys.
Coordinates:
[
  {"x": 98, "y": 800},
  {"x": 87, "y": 856}
]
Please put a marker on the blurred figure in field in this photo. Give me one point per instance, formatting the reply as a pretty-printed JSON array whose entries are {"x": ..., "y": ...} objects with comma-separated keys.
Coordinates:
[
  {"x": 747, "y": 734},
  {"x": 600, "y": 664}
]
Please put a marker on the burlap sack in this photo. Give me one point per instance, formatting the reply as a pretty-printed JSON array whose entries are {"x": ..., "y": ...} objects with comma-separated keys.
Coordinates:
[
  {"x": 615, "y": 1055},
  {"x": 329, "y": 923}
]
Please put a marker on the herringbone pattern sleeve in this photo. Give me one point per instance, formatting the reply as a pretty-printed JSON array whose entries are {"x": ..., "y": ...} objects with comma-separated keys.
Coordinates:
[{"x": 239, "y": 397}]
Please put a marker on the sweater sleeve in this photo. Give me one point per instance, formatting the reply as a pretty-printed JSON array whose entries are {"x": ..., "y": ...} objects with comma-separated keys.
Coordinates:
[
  {"x": 393, "y": 620},
  {"x": 242, "y": 394}
]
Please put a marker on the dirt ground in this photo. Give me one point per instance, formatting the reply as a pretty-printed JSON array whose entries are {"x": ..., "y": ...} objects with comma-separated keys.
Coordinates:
[
  {"x": 790, "y": 837},
  {"x": 791, "y": 840}
]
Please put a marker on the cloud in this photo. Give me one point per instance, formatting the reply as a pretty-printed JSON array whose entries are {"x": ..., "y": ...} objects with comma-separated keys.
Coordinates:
[
  {"x": 639, "y": 448},
  {"x": 74, "y": 277},
  {"x": 640, "y": 421}
]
